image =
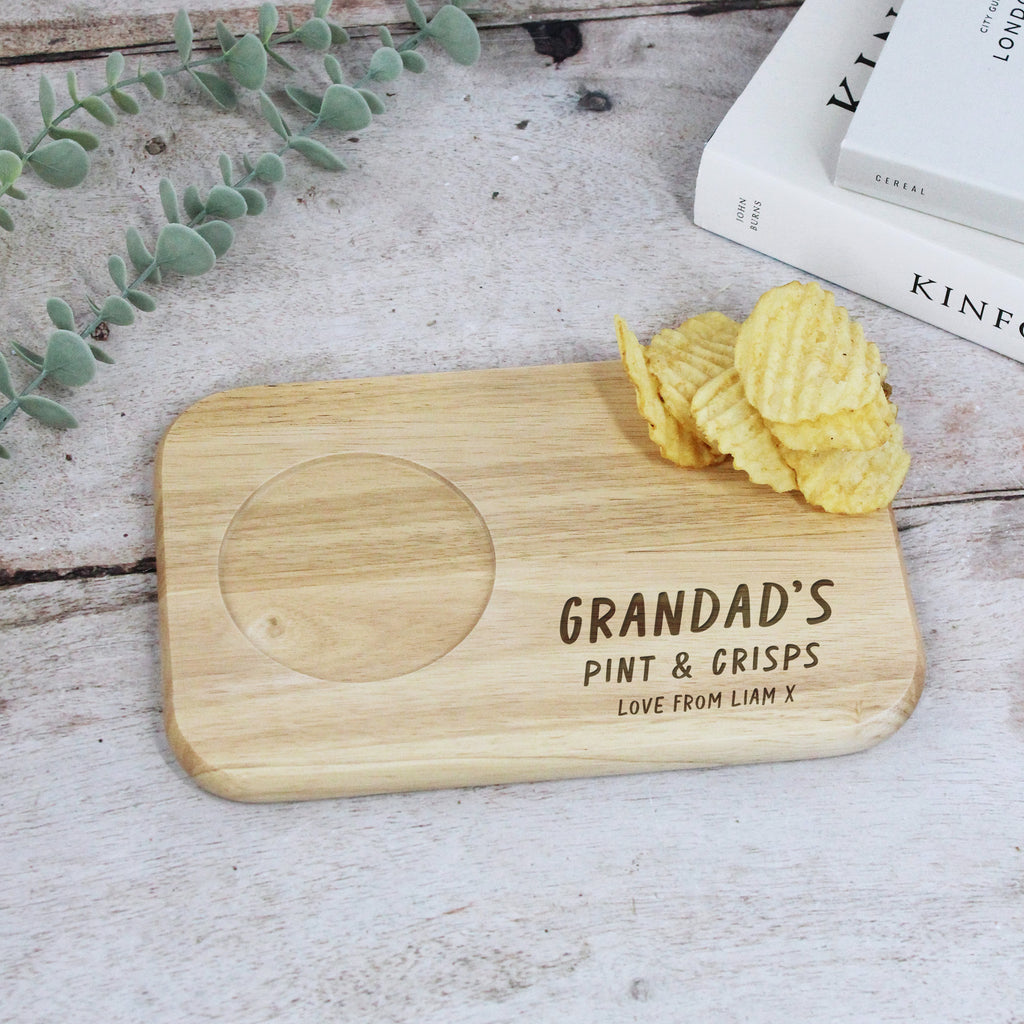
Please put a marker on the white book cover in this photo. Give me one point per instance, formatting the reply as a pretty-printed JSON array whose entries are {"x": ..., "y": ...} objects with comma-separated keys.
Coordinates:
[
  {"x": 936, "y": 128},
  {"x": 765, "y": 180}
]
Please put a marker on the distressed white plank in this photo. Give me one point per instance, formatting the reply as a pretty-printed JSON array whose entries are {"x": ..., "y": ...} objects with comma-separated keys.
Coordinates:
[
  {"x": 880, "y": 887},
  {"x": 65, "y": 26}
]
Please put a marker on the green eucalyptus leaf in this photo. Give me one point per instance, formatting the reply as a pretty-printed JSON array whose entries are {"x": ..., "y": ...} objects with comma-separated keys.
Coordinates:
[
  {"x": 273, "y": 116},
  {"x": 61, "y": 314},
  {"x": 68, "y": 359},
  {"x": 128, "y": 103},
  {"x": 87, "y": 140},
  {"x": 33, "y": 359},
  {"x": 15, "y": 193},
  {"x": 118, "y": 271},
  {"x": 321, "y": 8},
  {"x": 183, "y": 35},
  {"x": 192, "y": 202},
  {"x": 385, "y": 64},
  {"x": 414, "y": 62},
  {"x": 114, "y": 68},
  {"x": 6, "y": 220},
  {"x": 224, "y": 36},
  {"x": 4, "y": 453},
  {"x": 138, "y": 253},
  {"x": 141, "y": 300},
  {"x": 100, "y": 354},
  {"x": 63, "y": 164},
  {"x": 315, "y": 34},
  {"x": 334, "y": 69},
  {"x": 169, "y": 201},
  {"x": 155, "y": 83},
  {"x": 339, "y": 37},
  {"x": 309, "y": 101},
  {"x": 100, "y": 110},
  {"x": 267, "y": 21},
  {"x": 218, "y": 234},
  {"x": 225, "y": 202},
  {"x": 416, "y": 15},
  {"x": 373, "y": 101},
  {"x": 184, "y": 251},
  {"x": 345, "y": 108},
  {"x": 227, "y": 172},
  {"x": 10, "y": 168},
  {"x": 385, "y": 36},
  {"x": 72, "y": 87},
  {"x": 453, "y": 28},
  {"x": 255, "y": 201},
  {"x": 47, "y": 411},
  {"x": 270, "y": 168},
  {"x": 217, "y": 89},
  {"x": 47, "y": 100},
  {"x": 247, "y": 61},
  {"x": 9, "y": 137},
  {"x": 116, "y": 310},
  {"x": 6, "y": 384},
  {"x": 316, "y": 153}
]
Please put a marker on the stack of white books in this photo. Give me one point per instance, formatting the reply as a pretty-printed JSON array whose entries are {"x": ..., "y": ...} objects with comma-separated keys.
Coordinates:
[{"x": 876, "y": 148}]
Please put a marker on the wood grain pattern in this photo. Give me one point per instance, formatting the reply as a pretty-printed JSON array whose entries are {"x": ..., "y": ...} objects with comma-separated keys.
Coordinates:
[{"x": 505, "y": 583}]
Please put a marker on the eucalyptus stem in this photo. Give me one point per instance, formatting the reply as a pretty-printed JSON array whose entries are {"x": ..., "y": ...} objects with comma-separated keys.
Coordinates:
[
  {"x": 8, "y": 411},
  {"x": 94, "y": 103},
  {"x": 190, "y": 245}
]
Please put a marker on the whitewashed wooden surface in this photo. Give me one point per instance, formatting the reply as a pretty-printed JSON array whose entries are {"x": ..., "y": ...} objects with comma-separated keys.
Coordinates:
[
  {"x": 486, "y": 221},
  {"x": 66, "y": 26}
]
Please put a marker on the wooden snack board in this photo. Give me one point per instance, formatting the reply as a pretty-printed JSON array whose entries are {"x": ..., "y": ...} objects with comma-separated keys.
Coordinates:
[{"x": 453, "y": 579}]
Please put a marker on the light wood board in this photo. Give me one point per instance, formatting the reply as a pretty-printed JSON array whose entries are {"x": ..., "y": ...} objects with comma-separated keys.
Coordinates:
[{"x": 465, "y": 578}]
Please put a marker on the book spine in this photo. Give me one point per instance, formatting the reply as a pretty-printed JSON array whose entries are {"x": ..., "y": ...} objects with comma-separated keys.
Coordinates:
[
  {"x": 855, "y": 246},
  {"x": 930, "y": 192}
]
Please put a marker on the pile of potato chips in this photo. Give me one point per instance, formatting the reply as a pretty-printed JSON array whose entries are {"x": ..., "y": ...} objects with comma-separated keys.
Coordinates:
[{"x": 795, "y": 395}]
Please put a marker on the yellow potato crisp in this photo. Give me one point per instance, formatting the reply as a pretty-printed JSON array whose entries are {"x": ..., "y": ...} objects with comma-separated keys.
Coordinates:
[
  {"x": 711, "y": 335},
  {"x": 678, "y": 442},
  {"x": 852, "y": 429},
  {"x": 727, "y": 420},
  {"x": 852, "y": 482},
  {"x": 795, "y": 395},
  {"x": 800, "y": 356},
  {"x": 686, "y": 357}
]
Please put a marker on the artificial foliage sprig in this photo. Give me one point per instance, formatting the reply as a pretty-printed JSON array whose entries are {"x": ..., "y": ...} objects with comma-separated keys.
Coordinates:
[{"x": 197, "y": 231}]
